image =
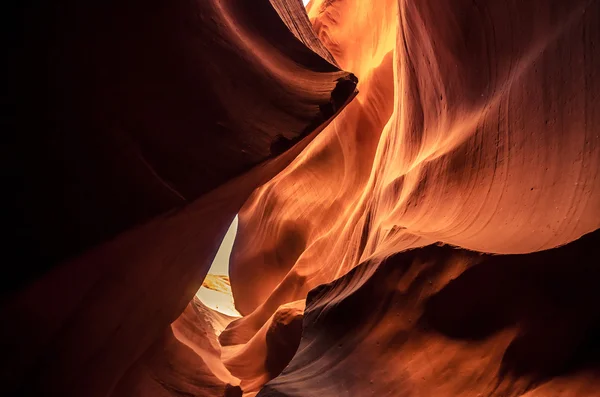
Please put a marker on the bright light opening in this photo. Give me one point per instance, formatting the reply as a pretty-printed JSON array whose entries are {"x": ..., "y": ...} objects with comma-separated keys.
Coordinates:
[
  {"x": 215, "y": 291},
  {"x": 305, "y": 2}
]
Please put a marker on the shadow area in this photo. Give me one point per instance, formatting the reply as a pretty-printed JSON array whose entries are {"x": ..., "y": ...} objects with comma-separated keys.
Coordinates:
[{"x": 551, "y": 297}]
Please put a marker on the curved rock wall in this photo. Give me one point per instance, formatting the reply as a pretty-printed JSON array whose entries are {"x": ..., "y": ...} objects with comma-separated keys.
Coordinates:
[
  {"x": 140, "y": 128},
  {"x": 476, "y": 126},
  {"x": 489, "y": 142},
  {"x": 442, "y": 228}
]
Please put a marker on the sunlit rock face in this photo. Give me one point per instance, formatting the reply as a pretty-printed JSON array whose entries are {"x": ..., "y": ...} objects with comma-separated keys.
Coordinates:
[
  {"x": 435, "y": 234},
  {"x": 476, "y": 145},
  {"x": 476, "y": 126}
]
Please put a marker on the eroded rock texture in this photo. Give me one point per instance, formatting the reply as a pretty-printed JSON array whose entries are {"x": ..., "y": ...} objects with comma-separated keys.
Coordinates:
[
  {"x": 476, "y": 126},
  {"x": 140, "y": 128},
  {"x": 438, "y": 237},
  {"x": 449, "y": 322}
]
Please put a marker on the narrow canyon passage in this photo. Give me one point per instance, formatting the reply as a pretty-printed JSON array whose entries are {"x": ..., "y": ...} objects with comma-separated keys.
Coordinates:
[
  {"x": 215, "y": 291},
  {"x": 290, "y": 198}
]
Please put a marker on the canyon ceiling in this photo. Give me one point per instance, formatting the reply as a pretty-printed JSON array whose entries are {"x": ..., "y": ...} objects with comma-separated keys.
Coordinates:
[{"x": 417, "y": 186}]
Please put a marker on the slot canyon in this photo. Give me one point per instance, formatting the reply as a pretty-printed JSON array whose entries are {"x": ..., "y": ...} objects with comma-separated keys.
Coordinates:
[{"x": 287, "y": 198}]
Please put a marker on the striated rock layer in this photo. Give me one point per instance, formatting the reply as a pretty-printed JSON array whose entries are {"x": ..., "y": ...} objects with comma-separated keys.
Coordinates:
[
  {"x": 489, "y": 141},
  {"x": 437, "y": 238},
  {"x": 440, "y": 321},
  {"x": 476, "y": 126}
]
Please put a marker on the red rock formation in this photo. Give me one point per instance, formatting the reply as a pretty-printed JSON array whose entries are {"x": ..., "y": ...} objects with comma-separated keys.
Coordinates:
[
  {"x": 437, "y": 225},
  {"x": 166, "y": 104},
  {"x": 440, "y": 321},
  {"x": 467, "y": 157},
  {"x": 125, "y": 112},
  {"x": 269, "y": 351},
  {"x": 186, "y": 360},
  {"x": 490, "y": 144}
]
